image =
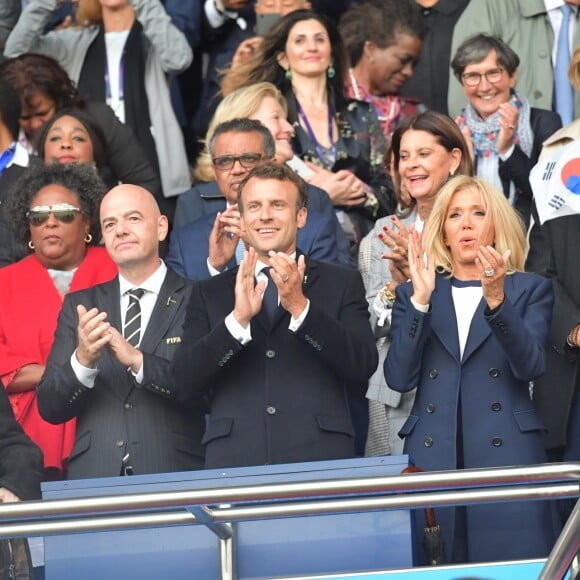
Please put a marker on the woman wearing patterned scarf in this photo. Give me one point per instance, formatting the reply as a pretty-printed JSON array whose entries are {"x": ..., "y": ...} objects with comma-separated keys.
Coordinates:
[{"x": 504, "y": 133}]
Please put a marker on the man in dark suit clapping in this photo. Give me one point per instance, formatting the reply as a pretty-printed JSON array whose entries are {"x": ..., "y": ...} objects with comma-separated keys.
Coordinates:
[
  {"x": 109, "y": 365},
  {"x": 277, "y": 343}
]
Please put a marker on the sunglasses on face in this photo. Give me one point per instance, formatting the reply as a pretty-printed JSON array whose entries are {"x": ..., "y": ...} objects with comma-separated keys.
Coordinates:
[
  {"x": 63, "y": 212},
  {"x": 246, "y": 160}
]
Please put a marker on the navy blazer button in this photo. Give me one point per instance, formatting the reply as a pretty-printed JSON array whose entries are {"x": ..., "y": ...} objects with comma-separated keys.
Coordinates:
[
  {"x": 270, "y": 353},
  {"x": 496, "y": 406},
  {"x": 428, "y": 442},
  {"x": 497, "y": 442},
  {"x": 493, "y": 373},
  {"x": 433, "y": 373},
  {"x": 128, "y": 406},
  {"x": 271, "y": 410},
  {"x": 430, "y": 408},
  {"x": 119, "y": 443}
]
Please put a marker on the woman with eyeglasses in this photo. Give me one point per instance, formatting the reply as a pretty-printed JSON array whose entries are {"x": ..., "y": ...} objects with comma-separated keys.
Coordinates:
[
  {"x": 504, "y": 133},
  {"x": 55, "y": 211}
]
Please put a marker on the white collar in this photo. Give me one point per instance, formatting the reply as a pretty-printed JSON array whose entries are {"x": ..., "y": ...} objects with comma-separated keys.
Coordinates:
[{"x": 152, "y": 284}]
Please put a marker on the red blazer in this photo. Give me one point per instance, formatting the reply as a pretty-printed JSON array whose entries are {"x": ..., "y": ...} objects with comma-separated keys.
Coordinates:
[{"x": 30, "y": 304}]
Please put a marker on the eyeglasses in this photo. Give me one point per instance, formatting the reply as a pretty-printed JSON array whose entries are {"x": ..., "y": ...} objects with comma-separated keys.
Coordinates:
[
  {"x": 491, "y": 76},
  {"x": 63, "y": 212},
  {"x": 246, "y": 160}
]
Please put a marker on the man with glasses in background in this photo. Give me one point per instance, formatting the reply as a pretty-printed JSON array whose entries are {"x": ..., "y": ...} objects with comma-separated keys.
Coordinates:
[{"x": 215, "y": 242}]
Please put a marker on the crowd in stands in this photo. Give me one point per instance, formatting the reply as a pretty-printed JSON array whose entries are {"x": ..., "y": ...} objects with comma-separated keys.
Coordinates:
[{"x": 248, "y": 232}]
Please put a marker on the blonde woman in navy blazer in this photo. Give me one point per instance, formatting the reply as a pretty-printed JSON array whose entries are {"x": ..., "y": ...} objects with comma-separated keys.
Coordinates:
[{"x": 469, "y": 332}]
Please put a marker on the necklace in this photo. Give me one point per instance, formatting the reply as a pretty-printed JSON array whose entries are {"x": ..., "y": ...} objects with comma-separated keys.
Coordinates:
[{"x": 326, "y": 154}]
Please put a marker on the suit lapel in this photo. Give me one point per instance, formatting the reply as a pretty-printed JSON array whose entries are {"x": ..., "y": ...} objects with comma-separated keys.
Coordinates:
[
  {"x": 164, "y": 311},
  {"x": 443, "y": 318},
  {"x": 480, "y": 330}
]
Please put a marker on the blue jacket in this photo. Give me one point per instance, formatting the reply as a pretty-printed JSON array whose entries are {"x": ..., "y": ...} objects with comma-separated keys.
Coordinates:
[{"x": 476, "y": 411}]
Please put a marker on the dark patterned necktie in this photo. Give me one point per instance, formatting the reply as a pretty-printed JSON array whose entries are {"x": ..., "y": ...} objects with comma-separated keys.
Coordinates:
[
  {"x": 270, "y": 299},
  {"x": 132, "y": 326}
]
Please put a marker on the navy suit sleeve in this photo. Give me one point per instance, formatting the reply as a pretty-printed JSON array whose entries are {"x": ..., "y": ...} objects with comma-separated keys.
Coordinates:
[
  {"x": 186, "y": 16},
  {"x": 175, "y": 258},
  {"x": 203, "y": 348},
  {"x": 344, "y": 344},
  {"x": 59, "y": 394},
  {"x": 410, "y": 328},
  {"x": 319, "y": 238},
  {"x": 523, "y": 334}
]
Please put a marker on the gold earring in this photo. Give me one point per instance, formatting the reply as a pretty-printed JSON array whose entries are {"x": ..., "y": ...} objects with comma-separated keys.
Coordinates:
[
  {"x": 31, "y": 245},
  {"x": 88, "y": 238}
]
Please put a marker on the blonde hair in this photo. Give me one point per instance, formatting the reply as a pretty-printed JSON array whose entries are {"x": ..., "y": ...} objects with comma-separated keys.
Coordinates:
[
  {"x": 508, "y": 226},
  {"x": 574, "y": 72},
  {"x": 240, "y": 104}
]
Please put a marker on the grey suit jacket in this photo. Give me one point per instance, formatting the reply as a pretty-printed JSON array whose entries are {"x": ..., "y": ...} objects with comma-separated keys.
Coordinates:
[{"x": 118, "y": 416}]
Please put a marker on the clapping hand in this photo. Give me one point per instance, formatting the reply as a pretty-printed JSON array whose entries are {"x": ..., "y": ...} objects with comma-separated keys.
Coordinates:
[
  {"x": 492, "y": 268},
  {"x": 248, "y": 294},
  {"x": 422, "y": 276}
]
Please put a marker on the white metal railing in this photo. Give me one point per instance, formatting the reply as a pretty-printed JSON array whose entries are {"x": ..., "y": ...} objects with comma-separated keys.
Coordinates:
[{"x": 218, "y": 508}]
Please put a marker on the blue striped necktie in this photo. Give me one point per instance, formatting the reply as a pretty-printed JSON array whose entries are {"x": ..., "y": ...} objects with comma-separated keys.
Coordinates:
[{"x": 564, "y": 93}]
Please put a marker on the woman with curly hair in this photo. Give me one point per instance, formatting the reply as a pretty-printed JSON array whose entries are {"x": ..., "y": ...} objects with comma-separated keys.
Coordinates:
[
  {"x": 56, "y": 213},
  {"x": 340, "y": 139}
]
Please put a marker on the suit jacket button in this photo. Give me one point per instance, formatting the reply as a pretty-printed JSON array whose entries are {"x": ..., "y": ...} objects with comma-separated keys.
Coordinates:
[
  {"x": 430, "y": 408},
  {"x": 433, "y": 373},
  {"x": 270, "y": 353},
  {"x": 119, "y": 443},
  {"x": 497, "y": 442},
  {"x": 428, "y": 442},
  {"x": 496, "y": 406},
  {"x": 493, "y": 373},
  {"x": 128, "y": 406},
  {"x": 271, "y": 410}
]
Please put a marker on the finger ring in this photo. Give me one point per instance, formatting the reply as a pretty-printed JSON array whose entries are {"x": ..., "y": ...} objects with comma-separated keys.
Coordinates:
[
  {"x": 286, "y": 279},
  {"x": 395, "y": 248},
  {"x": 512, "y": 126},
  {"x": 489, "y": 272}
]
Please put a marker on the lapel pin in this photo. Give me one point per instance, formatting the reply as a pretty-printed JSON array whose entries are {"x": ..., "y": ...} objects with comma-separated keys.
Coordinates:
[{"x": 170, "y": 301}]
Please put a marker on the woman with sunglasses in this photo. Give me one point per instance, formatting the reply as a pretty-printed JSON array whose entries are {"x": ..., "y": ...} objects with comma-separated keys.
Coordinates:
[
  {"x": 504, "y": 133},
  {"x": 56, "y": 213}
]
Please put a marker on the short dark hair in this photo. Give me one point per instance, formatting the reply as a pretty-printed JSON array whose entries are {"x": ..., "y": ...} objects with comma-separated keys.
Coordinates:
[
  {"x": 379, "y": 21},
  {"x": 477, "y": 47},
  {"x": 244, "y": 126},
  {"x": 94, "y": 130},
  {"x": 31, "y": 74},
  {"x": 82, "y": 180},
  {"x": 9, "y": 108},
  {"x": 279, "y": 172}
]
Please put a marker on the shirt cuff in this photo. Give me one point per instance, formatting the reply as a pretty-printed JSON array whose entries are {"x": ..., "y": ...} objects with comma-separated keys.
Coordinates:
[
  {"x": 241, "y": 334},
  {"x": 296, "y": 323},
  {"x": 213, "y": 271},
  {"x": 138, "y": 376},
  {"x": 505, "y": 156},
  {"x": 216, "y": 13},
  {"x": 420, "y": 307},
  {"x": 84, "y": 375}
]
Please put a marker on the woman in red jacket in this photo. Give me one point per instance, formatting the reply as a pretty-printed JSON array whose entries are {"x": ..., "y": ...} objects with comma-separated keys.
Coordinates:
[{"x": 55, "y": 212}]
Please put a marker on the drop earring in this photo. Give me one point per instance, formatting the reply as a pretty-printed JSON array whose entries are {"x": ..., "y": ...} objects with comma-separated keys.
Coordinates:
[
  {"x": 288, "y": 74},
  {"x": 330, "y": 72}
]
